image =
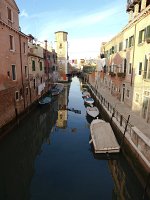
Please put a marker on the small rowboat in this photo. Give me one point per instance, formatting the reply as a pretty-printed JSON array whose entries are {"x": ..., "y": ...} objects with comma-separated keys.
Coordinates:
[
  {"x": 89, "y": 100},
  {"x": 92, "y": 111},
  {"x": 45, "y": 100},
  {"x": 85, "y": 94},
  {"x": 103, "y": 137}
]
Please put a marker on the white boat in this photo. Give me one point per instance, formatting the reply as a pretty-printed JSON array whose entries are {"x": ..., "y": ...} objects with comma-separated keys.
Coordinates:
[
  {"x": 92, "y": 111},
  {"x": 86, "y": 94},
  {"x": 89, "y": 100},
  {"x": 103, "y": 138},
  {"x": 45, "y": 100},
  {"x": 84, "y": 89}
]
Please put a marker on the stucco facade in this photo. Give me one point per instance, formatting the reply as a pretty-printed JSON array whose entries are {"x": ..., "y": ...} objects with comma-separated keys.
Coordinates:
[
  {"x": 61, "y": 46},
  {"x": 127, "y": 70},
  {"x": 13, "y": 63},
  {"x": 37, "y": 77}
]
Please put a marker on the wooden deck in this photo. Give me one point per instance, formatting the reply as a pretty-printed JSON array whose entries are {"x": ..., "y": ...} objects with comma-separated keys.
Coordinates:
[{"x": 103, "y": 138}]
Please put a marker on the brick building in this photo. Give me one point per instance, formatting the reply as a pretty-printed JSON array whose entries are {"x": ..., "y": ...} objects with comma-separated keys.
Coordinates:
[{"x": 13, "y": 63}]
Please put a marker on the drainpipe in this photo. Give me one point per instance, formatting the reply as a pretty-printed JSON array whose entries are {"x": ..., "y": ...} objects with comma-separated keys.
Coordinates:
[
  {"x": 133, "y": 56},
  {"x": 21, "y": 68}
]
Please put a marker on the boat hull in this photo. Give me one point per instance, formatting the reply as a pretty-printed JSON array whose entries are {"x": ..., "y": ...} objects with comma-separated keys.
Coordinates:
[{"x": 92, "y": 111}]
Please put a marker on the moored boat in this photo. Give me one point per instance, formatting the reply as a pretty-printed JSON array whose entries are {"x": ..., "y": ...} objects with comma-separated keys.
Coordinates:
[
  {"x": 92, "y": 111},
  {"x": 45, "y": 100},
  {"x": 89, "y": 100},
  {"x": 86, "y": 94},
  {"x": 103, "y": 138},
  {"x": 57, "y": 89}
]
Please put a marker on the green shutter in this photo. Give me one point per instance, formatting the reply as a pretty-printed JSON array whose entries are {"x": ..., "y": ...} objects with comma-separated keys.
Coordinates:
[
  {"x": 148, "y": 32},
  {"x": 140, "y": 37}
]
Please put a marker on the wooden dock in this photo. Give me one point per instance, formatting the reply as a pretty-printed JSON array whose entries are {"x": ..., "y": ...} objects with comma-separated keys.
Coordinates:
[{"x": 103, "y": 138}]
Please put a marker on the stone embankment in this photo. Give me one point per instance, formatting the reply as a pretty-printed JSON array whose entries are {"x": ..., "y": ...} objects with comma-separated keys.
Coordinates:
[{"x": 134, "y": 130}]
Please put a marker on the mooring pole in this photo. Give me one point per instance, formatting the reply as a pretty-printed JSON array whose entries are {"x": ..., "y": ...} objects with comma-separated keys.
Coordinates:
[
  {"x": 113, "y": 114},
  {"x": 125, "y": 131},
  {"x": 147, "y": 183}
]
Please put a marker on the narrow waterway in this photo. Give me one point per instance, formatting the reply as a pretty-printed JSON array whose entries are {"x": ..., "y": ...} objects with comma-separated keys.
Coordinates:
[{"x": 47, "y": 159}]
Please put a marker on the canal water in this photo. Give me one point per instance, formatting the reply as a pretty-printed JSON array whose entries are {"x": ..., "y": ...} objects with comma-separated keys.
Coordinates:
[{"x": 48, "y": 157}]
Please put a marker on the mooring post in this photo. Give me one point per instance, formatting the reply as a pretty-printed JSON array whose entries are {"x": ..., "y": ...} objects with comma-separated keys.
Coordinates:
[
  {"x": 113, "y": 114},
  {"x": 125, "y": 131},
  {"x": 145, "y": 188}
]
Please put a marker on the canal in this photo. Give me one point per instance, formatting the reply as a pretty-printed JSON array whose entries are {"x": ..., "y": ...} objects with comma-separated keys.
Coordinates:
[{"x": 48, "y": 157}]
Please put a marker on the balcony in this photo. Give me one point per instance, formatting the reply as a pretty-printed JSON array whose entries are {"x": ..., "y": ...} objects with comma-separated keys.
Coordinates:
[
  {"x": 131, "y": 3},
  {"x": 112, "y": 74},
  {"x": 121, "y": 74}
]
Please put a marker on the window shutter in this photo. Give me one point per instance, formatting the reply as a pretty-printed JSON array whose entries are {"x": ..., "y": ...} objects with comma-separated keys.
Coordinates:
[{"x": 148, "y": 34}]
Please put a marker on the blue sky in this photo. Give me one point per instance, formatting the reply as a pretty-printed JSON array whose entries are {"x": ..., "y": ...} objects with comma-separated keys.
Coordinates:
[{"x": 88, "y": 22}]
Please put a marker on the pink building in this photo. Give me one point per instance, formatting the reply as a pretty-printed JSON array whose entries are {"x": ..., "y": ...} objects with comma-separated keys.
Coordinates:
[
  {"x": 14, "y": 85},
  {"x": 50, "y": 63}
]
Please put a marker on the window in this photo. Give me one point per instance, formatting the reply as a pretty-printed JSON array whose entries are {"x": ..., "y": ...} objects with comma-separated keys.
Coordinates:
[
  {"x": 17, "y": 96},
  {"x": 141, "y": 36},
  {"x": 26, "y": 71},
  {"x": 120, "y": 46},
  {"x": 115, "y": 48},
  {"x": 8, "y": 74},
  {"x": 131, "y": 41},
  {"x": 21, "y": 93},
  {"x": 26, "y": 90},
  {"x": 40, "y": 66},
  {"x": 60, "y": 45},
  {"x": 140, "y": 68},
  {"x": 126, "y": 43},
  {"x": 145, "y": 68},
  {"x": 112, "y": 50},
  {"x": 24, "y": 47},
  {"x": 34, "y": 84},
  {"x": 13, "y": 72},
  {"x": 33, "y": 65},
  {"x": 9, "y": 14},
  {"x": 128, "y": 93},
  {"x": 11, "y": 42},
  {"x": 125, "y": 66},
  {"x": 137, "y": 96},
  {"x": 148, "y": 34},
  {"x": 130, "y": 68}
]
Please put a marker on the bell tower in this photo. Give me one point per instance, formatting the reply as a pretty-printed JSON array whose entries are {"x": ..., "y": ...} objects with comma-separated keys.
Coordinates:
[{"x": 61, "y": 47}]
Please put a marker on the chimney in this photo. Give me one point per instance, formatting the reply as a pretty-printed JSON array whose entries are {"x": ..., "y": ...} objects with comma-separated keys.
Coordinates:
[
  {"x": 45, "y": 44},
  {"x": 30, "y": 38},
  {"x": 143, "y": 5},
  {"x": 136, "y": 9}
]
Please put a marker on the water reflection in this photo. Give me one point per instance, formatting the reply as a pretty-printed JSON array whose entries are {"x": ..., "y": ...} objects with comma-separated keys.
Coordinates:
[{"x": 49, "y": 157}]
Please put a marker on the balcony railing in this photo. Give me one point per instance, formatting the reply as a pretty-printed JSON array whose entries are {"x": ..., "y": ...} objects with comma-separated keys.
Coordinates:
[
  {"x": 121, "y": 74},
  {"x": 112, "y": 74}
]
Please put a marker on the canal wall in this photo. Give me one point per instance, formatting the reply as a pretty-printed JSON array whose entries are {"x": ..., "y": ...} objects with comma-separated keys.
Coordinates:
[
  {"x": 134, "y": 144},
  {"x": 138, "y": 140}
]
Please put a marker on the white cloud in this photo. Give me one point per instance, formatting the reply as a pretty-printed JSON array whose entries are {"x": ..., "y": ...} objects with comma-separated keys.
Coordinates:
[
  {"x": 86, "y": 47},
  {"x": 23, "y": 14}
]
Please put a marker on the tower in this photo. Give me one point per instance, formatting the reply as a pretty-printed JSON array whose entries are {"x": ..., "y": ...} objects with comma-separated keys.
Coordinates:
[{"x": 61, "y": 47}]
